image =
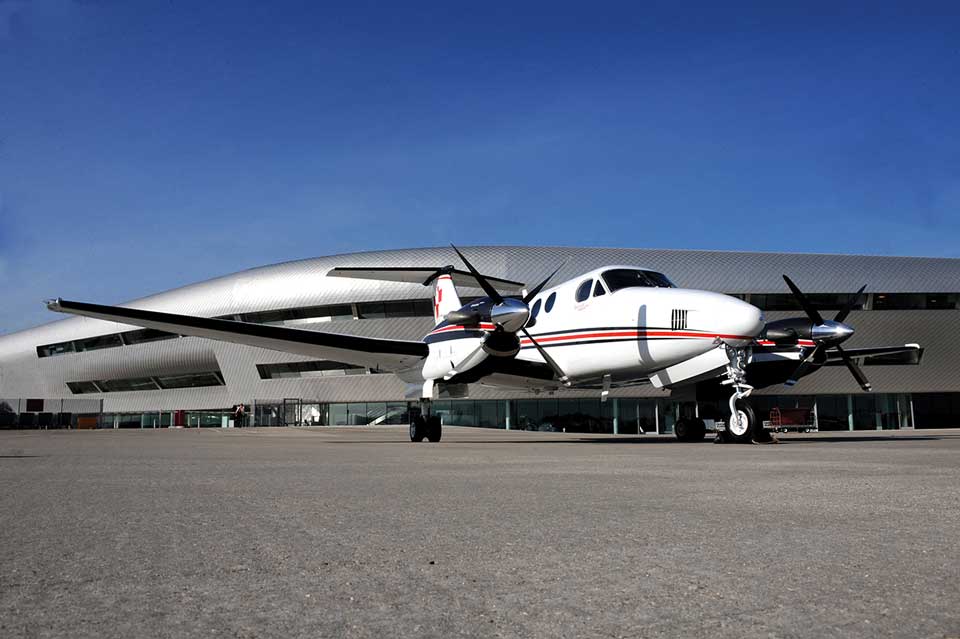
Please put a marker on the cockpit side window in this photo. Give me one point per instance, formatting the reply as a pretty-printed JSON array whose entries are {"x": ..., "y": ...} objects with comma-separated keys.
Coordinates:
[
  {"x": 583, "y": 291},
  {"x": 619, "y": 278},
  {"x": 598, "y": 289}
]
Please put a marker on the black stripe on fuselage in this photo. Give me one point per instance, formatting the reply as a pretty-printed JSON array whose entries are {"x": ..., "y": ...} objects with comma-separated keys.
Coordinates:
[{"x": 604, "y": 341}]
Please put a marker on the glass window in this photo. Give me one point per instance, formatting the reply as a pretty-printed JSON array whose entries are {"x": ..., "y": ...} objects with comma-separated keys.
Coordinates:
[
  {"x": 583, "y": 292},
  {"x": 941, "y": 301},
  {"x": 132, "y": 384},
  {"x": 338, "y": 415},
  {"x": 49, "y": 350},
  {"x": 821, "y": 301},
  {"x": 775, "y": 302},
  {"x": 619, "y": 278},
  {"x": 146, "y": 335},
  {"x": 909, "y": 301},
  {"x": 397, "y": 413},
  {"x": 79, "y": 388},
  {"x": 192, "y": 380},
  {"x": 319, "y": 368},
  {"x": 550, "y": 300},
  {"x": 401, "y": 308},
  {"x": 96, "y": 343},
  {"x": 598, "y": 289},
  {"x": 328, "y": 313},
  {"x": 535, "y": 310}
]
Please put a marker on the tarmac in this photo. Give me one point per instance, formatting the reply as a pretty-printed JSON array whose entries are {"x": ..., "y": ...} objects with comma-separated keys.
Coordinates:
[{"x": 327, "y": 532}]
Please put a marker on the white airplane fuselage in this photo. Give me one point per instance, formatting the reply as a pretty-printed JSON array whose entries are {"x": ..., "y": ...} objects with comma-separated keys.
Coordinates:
[{"x": 628, "y": 333}]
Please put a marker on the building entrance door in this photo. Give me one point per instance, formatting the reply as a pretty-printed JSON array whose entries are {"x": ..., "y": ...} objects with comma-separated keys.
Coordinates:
[{"x": 291, "y": 412}]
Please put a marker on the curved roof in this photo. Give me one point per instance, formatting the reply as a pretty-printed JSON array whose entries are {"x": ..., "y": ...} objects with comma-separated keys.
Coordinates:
[{"x": 304, "y": 282}]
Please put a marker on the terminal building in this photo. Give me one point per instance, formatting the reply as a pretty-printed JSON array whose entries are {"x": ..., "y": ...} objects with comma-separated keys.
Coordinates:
[{"x": 87, "y": 373}]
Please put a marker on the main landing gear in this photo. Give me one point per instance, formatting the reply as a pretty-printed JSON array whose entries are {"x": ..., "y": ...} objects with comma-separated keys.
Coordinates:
[
  {"x": 424, "y": 425},
  {"x": 690, "y": 429}
]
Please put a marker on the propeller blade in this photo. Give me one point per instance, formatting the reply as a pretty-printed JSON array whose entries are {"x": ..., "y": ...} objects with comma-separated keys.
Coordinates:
[
  {"x": 855, "y": 370},
  {"x": 805, "y": 363},
  {"x": 491, "y": 292},
  {"x": 842, "y": 315},
  {"x": 539, "y": 287},
  {"x": 805, "y": 304},
  {"x": 546, "y": 356}
]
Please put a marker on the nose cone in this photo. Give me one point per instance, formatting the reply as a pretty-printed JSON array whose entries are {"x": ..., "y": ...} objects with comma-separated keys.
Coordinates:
[
  {"x": 739, "y": 322},
  {"x": 831, "y": 332},
  {"x": 510, "y": 315}
]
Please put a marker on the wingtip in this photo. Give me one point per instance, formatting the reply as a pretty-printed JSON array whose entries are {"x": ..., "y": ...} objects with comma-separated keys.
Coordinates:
[{"x": 53, "y": 304}]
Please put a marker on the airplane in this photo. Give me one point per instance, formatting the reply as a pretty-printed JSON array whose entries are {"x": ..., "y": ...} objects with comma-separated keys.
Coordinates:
[{"x": 610, "y": 327}]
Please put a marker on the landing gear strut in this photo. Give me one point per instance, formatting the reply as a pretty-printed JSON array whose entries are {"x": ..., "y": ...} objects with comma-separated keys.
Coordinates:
[
  {"x": 424, "y": 425},
  {"x": 742, "y": 426}
]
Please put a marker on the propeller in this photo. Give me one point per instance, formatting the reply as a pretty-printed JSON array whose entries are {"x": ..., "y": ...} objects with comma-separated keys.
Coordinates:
[
  {"x": 510, "y": 315},
  {"x": 824, "y": 333}
]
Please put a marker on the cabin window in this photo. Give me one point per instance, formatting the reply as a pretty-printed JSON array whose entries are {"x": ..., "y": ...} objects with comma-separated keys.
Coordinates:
[
  {"x": 550, "y": 300},
  {"x": 533, "y": 313},
  {"x": 583, "y": 291}
]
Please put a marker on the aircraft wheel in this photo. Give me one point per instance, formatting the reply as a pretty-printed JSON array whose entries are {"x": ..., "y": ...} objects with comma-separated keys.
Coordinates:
[
  {"x": 418, "y": 429},
  {"x": 690, "y": 430},
  {"x": 434, "y": 428},
  {"x": 742, "y": 432}
]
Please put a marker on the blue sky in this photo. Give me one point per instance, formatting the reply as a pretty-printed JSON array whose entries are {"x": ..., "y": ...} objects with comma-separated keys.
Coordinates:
[{"x": 146, "y": 145}]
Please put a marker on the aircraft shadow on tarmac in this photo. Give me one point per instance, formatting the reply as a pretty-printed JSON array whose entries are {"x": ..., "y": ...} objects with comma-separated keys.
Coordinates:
[{"x": 789, "y": 441}]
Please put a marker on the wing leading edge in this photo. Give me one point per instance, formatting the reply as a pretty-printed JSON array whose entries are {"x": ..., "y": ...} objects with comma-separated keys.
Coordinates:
[{"x": 383, "y": 354}]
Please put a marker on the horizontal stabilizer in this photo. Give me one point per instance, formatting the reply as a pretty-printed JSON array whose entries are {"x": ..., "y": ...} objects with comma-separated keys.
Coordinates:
[{"x": 423, "y": 276}]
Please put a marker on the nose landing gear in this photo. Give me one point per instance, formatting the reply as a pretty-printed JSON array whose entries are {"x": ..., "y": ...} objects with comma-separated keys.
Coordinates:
[{"x": 742, "y": 427}]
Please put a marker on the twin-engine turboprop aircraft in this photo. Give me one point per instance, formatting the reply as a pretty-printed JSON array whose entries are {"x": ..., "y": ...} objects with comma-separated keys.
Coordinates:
[{"x": 610, "y": 327}]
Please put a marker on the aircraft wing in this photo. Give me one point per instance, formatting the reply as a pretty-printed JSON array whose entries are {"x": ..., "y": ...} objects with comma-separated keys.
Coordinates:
[
  {"x": 908, "y": 354},
  {"x": 420, "y": 276},
  {"x": 382, "y": 354}
]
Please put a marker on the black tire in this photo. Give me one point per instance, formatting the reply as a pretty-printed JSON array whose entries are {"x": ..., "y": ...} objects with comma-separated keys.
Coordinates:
[
  {"x": 744, "y": 434},
  {"x": 690, "y": 430},
  {"x": 418, "y": 429},
  {"x": 434, "y": 429},
  {"x": 698, "y": 430}
]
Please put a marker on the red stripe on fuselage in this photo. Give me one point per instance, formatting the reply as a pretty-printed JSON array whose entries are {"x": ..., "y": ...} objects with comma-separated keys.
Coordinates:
[
  {"x": 608, "y": 334},
  {"x": 481, "y": 327}
]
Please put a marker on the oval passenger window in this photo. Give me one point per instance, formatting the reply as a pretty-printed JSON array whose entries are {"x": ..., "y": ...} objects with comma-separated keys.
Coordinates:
[
  {"x": 550, "y": 300},
  {"x": 583, "y": 291}
]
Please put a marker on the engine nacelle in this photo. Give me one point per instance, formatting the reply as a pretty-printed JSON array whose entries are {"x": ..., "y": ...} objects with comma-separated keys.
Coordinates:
[{"x": 500, "y": 344}]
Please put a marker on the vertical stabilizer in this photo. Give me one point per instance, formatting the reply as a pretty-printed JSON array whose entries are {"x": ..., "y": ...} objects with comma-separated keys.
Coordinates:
[{"x": 445, "y": 298}]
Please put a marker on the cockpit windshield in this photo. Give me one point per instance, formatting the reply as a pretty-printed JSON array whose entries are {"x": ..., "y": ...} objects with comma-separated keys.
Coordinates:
[{"x": 618, "y": 278}]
